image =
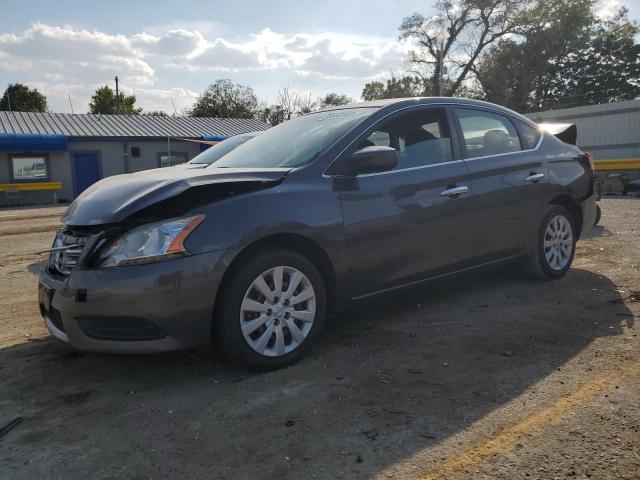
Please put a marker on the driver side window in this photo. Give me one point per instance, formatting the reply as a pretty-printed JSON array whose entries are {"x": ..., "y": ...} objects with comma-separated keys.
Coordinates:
[{"x": 421, "y": 138}]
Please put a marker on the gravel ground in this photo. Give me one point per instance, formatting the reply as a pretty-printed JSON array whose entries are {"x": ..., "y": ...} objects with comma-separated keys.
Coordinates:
[{"x": 488, "y": 375}]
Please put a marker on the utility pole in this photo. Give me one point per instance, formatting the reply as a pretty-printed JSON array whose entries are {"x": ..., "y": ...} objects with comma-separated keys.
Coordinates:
[
  {"x": 117, "y": 95},
  {"x": 440, "y": 69},
  {"x": 70, "y": 104},
  {"x": 175, "y": 112}
]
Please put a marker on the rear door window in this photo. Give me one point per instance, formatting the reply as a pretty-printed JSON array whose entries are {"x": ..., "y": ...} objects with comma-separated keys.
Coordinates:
[{"x": 485, "y": 133}]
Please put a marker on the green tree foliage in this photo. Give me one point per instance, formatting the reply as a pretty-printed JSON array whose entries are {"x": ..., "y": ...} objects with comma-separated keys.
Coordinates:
[
  {"x": 289, "y": 105},
  {"x": 224, "y": 99},
  {"x": 156, "y": 113},
  {"x": 334, "y": 100},
  {"x": 394, "y": 87},
  {"x": 20, "y": 98},
  {"x": 518, "y": 72},
  {"x": 272, "y": 114},
  {"x": 409, "y": 86},
  {"x": 104, "y": 101},
  {"x": 607, "y": 69},
  {"x": 564, "y": 56}
]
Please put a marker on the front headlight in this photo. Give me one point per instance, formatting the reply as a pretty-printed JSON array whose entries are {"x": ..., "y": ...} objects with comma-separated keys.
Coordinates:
[{"x": 149, "y": 243}]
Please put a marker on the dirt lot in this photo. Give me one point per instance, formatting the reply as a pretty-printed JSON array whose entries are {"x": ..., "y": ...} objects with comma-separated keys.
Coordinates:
[{"x": 481, "y": 376}]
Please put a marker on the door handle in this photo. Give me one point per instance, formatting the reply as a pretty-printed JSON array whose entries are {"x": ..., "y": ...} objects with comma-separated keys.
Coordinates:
[
  {"x": 535, "y": 177},
  {"x": 454, "y": 191}
]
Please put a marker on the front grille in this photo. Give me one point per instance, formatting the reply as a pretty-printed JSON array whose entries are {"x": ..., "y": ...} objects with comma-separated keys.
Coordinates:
[
  {"x": 123, "y": 329},
  {"x": 69, "y": 248}
]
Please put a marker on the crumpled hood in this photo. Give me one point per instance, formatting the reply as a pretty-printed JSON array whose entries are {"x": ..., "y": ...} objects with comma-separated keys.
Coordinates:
[{"x": 115, "y": 198}]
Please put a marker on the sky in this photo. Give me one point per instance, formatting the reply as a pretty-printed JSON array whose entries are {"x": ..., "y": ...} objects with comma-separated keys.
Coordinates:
[{"x": 168, "y": 52}]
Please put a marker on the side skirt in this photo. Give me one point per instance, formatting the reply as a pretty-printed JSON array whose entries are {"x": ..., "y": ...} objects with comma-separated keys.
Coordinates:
[{"x": 434, "y": 277}]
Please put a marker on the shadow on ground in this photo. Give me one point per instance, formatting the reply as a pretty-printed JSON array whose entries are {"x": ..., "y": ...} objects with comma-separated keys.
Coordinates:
[{"x": 389, "y": 378}]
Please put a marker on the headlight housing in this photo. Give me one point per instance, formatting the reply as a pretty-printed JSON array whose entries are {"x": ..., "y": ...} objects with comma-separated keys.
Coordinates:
[{"x": 149, "y": 243}]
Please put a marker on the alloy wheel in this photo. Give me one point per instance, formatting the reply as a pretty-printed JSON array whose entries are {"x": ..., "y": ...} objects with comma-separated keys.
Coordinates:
[
  {"x": 277, "y": 311},
  {"x": 558, "y": 242}
]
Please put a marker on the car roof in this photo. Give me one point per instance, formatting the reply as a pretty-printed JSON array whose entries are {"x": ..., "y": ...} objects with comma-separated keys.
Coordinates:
[{"x": 397, "y": 103}]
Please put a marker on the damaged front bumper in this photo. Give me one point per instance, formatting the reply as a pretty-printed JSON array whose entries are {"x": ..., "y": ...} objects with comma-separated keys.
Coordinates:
[{"x": 134, "y": 309}]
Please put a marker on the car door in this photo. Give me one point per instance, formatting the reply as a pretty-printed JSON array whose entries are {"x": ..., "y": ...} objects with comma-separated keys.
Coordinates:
[
  {"x": 508, "y": 178},
  {"x": 414, "y": 219}
]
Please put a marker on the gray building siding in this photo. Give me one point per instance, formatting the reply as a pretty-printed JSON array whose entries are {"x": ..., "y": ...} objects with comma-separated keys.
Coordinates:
[
  {"x": 610, "y": 131},
  {"x": 59, "y": 171},
  {"x": 115, "y": 158}
]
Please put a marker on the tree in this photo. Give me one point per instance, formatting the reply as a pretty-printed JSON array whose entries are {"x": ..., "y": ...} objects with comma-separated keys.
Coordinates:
[
  {"x": 104, "y": 101},
  {"x": 224, "y": 99},
  {"x": 606, "y": 70},
  {"x": 563, "y": 56},
  {"x": 271, "y": 114},
  {"x": 407, "y": 86},
  {"x": 156, "y": 113},
  {"x": 290, "y": 104},
  {"x": 20, "y": 98},
  {"x": 457, "y": 37},
  {"x": 334, "y": 100}
]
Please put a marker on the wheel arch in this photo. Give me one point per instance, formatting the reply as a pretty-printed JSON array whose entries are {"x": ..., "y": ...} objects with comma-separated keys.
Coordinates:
[
  {"x": 298, "y": 243},
  {"x": 574, "y": 208}
]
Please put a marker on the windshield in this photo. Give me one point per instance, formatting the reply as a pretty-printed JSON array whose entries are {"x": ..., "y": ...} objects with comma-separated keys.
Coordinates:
[
  {"x": 216, "y": 152},
  {"x": 295, "y": 142}
]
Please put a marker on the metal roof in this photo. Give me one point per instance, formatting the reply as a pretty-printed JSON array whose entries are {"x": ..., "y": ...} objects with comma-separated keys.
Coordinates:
[{"x": 89, "y": 125}]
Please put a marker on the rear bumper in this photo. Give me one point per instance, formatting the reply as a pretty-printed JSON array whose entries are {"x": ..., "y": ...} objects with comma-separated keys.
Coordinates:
[
  {"x": 588, "y": 207},
  {"x": 135, "y": 309}
]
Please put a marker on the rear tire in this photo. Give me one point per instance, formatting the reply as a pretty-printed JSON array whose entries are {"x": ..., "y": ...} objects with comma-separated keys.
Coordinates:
[
  {"x": 553, "y": 247},
  {"x": 598, "y": 215},
  {"x": 261, "y": 320}
]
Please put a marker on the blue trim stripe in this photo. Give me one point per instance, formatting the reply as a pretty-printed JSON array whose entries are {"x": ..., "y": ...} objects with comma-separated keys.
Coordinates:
[
  {"x": 214, "y": 138},
  {"x": 33, "y": 142}
]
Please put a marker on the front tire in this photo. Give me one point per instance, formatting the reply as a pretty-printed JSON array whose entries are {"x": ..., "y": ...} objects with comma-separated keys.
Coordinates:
[
  {"x": 553, "y": 247},
  {"x": 272, "y": 309}
]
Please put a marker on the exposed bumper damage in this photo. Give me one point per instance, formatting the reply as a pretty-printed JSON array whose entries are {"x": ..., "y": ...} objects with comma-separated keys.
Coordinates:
[
  {"x": 135, "y": 309},
  {"x": 145, "y": 308}
]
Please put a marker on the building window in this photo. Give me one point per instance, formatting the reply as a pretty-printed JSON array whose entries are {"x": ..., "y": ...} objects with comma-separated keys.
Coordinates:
[
  {"x": 176, "y": 158},
  {"x": 29, "y": 168}
]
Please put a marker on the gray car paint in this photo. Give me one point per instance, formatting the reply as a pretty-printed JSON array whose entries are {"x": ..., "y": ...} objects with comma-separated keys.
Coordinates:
[{"x": 377, "y": 232}]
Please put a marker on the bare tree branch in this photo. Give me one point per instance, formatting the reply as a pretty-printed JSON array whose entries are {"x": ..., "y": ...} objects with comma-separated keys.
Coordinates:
[{"x": 458, "y": 36}]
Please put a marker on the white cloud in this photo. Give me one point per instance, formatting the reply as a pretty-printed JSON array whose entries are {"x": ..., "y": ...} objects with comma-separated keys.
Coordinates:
[
  {"x": 64, "y": 53},
  {"x": 158, "y": 65},
  {"x": 174, "y": 43},
  {"x": 608, "y": 8},
  {"x": 220, "y": 55}
]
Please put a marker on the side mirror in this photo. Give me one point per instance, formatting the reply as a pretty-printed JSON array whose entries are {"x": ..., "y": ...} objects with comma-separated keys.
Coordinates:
[{"x": 373, "y": 159}]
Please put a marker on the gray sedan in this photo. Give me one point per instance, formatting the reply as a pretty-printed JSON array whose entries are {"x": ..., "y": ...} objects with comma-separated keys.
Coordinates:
[{"x": 252, "y": 252}]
